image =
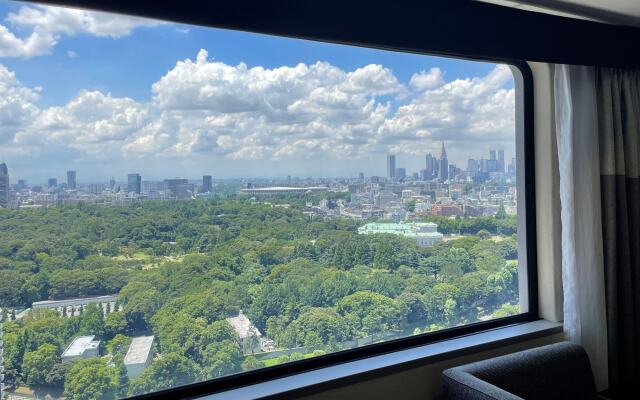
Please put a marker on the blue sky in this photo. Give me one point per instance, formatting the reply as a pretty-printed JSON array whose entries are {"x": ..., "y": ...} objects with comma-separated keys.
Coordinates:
[{"x": 122, "y": 62}]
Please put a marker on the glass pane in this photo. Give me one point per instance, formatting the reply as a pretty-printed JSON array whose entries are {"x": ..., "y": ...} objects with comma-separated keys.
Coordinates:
[{"x": 180, "y": 203}]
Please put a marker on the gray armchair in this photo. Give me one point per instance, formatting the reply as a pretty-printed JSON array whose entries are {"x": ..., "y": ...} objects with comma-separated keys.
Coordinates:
[{"x": 557, "y": 371}]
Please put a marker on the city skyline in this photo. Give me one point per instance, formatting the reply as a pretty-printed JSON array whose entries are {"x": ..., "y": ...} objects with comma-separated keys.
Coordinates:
[{"x": 397, "y": 163}]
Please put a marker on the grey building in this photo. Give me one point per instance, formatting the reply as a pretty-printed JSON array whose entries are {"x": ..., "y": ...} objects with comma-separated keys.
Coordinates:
[
  {"x": 444, "y": 164},
  {"x": 81, "y": 347},
  {"x": 139, "y": 355},
  {"x": 134, "y": 183},
  {"x": 472, "y": 166},
  {"x": 401, "y": 173},
  {"x": 431, "y": 166},
  {"x": 179, "y": 188},
  {"x": 207, "y": 184},
  {"x": 501, "y": 160},
  {"x": 4, "y": 185},
  {"x": 52, "y": 182},
  {"x": 391, "y": 166},
  {"x": 71, "y": 180}
]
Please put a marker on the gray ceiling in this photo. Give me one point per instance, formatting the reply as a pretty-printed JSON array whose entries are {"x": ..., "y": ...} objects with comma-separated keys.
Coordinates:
[{"x": 619, "y": 12}]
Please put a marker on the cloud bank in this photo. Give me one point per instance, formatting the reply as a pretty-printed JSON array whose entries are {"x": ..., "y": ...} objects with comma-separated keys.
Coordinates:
[{"x": 205, "y": 108}]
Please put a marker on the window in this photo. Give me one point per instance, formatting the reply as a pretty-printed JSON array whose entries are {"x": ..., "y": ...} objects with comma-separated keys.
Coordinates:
[{"x": 181, "y": 204}]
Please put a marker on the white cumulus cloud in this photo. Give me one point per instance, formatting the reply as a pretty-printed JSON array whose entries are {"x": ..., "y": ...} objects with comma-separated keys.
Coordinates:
[
  {"x": 47, "y": 24},
  {"x": 206, "y": 108}
]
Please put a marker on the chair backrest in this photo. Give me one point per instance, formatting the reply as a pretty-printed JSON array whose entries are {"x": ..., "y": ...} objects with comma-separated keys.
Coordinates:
[{"x": 557, "y": 371}]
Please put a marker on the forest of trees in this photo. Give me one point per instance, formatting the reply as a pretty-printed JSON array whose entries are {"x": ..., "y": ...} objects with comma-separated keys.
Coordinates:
[{"x": 181, "y": 268}]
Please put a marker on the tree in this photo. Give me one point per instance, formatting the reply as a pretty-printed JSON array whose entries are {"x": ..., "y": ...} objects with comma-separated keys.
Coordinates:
[
  {"x": 122, "y": 381},
  {"x": 251, "y": 363},
  {"x": 114, "y": 324},
  {"x": 37, "y": 364},
  {"x": 119, "y": 345},
  {"x": 169, "y": 371},
  {"x": 502, "y": 213},
  {"x": 371, "y": 312},
  {"x": 89, "y": 379},
  {"x": 56, "y": 375},
  {"x": 92, "y": 321}
]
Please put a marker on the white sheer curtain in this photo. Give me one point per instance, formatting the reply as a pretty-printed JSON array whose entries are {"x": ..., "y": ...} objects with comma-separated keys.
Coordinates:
[{"x": 582, "y": 258}]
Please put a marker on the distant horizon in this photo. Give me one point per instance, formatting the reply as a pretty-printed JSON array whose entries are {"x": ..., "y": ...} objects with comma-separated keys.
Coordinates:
[{"x": 154, "y": 178}]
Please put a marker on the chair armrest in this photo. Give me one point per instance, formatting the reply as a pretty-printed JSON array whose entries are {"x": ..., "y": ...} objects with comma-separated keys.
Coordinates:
[{"x": 460, "y": 385}]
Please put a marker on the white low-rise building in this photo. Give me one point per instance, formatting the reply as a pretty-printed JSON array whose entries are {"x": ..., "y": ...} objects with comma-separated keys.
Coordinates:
[
  {"x": 250, "y": 336},
  {"x": 81, "y": 347},
  {"x": 139, "y": 355}
]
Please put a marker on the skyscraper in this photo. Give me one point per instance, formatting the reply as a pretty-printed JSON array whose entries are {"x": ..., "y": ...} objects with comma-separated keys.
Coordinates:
[
  {"x": 492, "y": 154},
  {"x": 430, "y": 166},
  {"x": 444, "y": 164},
  {"x": 179, "y": 188},
  {"x": 501, "y": 160},
  {"x": 400, "y": 173},
  {"x": 134, "y": 183},
  {"x": 4, "y": 185},
  {"x": 52, "y": 182},
  {"x": 391, "y": 166},
  {"x": 207, "y": 184},
  {"x": 71, "y": 179},
  {"x": 472, "y": 166}
]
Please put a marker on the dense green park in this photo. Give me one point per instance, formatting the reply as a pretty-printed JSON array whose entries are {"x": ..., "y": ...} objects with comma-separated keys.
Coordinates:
[{"x": 181, "y": 268}]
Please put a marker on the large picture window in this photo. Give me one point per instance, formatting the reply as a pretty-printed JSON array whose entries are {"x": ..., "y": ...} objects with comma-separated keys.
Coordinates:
[{"x": 181, "y": 204}]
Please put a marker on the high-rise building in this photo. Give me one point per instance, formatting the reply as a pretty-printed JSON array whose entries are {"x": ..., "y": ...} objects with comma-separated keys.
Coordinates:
[
  {"x": 400, "y": 173},
  {"x": 4, "y": 185},
  {"x": 207, "y": 184},
  {"x": 492, "y": 154},
  {"x": 71, "y": 179},
  {"x": 112, "y": 183},
  {"x": 391, "y": 166},
  {"x": 134, "y": 183},
  {"x": 52, "y": 182},
  {"x": 472, "y": 166},
  {"x": 361, "y": 176},
  {"x": 501, "y": 160},
  {"x": 431, "y": 166},
  {"x": 512, "y": 166},
  {"x": 444, "y": 164},
  {"x": 179, "y": 188}
]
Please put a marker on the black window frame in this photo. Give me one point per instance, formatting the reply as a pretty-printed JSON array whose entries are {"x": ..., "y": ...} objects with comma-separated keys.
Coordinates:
[{"x": 248, "y": 378}]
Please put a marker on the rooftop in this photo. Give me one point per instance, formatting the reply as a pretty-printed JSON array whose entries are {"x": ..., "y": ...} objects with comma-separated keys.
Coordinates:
[
  {"x": 285, "y": 189},
  {"x": 80, "y": 345},
  {"x": 243, "y": 326},
  {"x": 410, "y": 229},
  {"x": 79, "y": 300},
  {"x": 139, "y": 350}
]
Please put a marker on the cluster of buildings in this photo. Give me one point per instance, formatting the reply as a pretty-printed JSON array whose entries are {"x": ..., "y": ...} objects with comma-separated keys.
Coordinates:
[
  {"x": 139, "y": 354},
  {"x": 478, "y": 170},
  {"x": 23, "y": 195}
]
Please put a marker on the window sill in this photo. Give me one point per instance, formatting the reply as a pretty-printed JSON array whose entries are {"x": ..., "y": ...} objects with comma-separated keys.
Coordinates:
[{"x": 350, "y": 372}]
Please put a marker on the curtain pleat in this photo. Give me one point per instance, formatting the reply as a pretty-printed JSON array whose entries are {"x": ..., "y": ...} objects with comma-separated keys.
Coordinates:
[{"x": 618, "y": 107}]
